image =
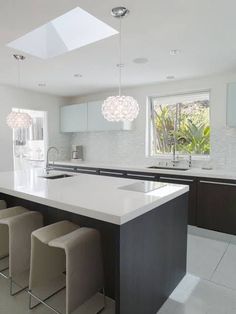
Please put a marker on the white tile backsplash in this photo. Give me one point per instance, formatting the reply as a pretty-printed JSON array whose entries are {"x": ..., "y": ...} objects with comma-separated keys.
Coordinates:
[
  {"x": 223, "y": 147},
  {"x": 128, "y": 147}
]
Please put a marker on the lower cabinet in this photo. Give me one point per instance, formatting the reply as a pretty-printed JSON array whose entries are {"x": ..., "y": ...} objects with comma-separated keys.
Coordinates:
[
  {"x": 192, "y": 183},
  {"x": 212, "y": 202},
  {"x": 216, "y": 205}
]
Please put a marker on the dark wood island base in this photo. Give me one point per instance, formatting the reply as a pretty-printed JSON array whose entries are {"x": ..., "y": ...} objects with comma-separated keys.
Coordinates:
[{"x": 144, "y": 259}]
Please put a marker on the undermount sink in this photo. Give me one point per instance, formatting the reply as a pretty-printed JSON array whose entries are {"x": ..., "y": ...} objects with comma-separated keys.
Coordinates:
[
  {"x": 58, "y": 176},
  {"x": 168, "y": 168}
]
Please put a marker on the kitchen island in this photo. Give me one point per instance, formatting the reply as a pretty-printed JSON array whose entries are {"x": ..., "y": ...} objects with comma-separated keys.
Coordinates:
[{"x": 143, "y": 226}]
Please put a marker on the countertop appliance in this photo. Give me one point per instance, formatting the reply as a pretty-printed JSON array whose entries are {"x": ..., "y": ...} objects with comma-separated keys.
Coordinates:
[{"x": 77, "y": 152}]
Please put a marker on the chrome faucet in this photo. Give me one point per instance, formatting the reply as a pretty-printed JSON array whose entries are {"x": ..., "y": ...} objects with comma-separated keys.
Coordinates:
[
  {"x": 174, "y": 160},
  {"x": 48, "y": 167},
  {"x": 189, "y": 160}
]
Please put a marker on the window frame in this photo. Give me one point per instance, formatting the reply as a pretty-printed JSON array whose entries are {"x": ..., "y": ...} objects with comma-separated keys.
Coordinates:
[{"x": 149, "y": 127}]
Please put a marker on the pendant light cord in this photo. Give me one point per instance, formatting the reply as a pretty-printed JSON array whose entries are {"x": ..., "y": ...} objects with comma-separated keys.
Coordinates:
[
  {"x": 18, "y": 77},
  {"x": 120, "y": 56}
]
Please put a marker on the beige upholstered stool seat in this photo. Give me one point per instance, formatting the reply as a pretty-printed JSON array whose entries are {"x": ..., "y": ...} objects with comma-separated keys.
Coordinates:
[
  {"x": 16, "y": 226},
  {"x": 3, "y": 204},
  {"x": 4, "y": 234},
  {"x": 72, "y": 259},
  {"x": 51, "y": 232}
]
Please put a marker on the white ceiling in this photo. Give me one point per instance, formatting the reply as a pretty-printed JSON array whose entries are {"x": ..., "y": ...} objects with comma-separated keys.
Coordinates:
[{"x": 204, "y": 31}]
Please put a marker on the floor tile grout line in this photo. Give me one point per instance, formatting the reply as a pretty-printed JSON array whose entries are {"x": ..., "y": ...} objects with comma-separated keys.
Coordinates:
[
  {"x": 232, "y": 239},
  {"x": 219, "y": 285},
  {"x": 220, "y": 237},
  {"x": 223, "y": 255}
]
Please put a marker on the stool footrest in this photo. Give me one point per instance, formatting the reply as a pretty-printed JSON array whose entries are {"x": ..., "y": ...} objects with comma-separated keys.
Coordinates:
[{"x": 40, "y": 301}]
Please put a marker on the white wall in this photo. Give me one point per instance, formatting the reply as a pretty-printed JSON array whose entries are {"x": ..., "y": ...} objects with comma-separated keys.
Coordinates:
[
  {"x": 129, "y": 147},
  {"x": 12, "y": 97}
]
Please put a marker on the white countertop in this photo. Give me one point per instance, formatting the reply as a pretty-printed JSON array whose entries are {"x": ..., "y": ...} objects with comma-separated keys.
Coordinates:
[
  {"x": 98, "y": 197},
  {"x": 229, "y": 174}
]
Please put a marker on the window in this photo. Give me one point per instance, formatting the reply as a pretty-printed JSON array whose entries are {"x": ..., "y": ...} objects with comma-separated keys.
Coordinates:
[
  {"x": 29, "y": 145},
  {"x": 181, "y": 122},
  {"x": 72, "y": 30}
]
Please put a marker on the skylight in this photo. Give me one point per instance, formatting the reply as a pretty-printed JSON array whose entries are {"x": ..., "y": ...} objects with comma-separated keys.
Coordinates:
[{"x": 72, "y": 30}]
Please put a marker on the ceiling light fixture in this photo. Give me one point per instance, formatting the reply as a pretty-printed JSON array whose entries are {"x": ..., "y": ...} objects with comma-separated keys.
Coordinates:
[
  {"x": 78, "y": 75},
  {"x": 41, "y": 84},
  {"x": 140, "y": 60},
  {"x": 17, "y": 119},
  {"x": 170, "y": 77},
  {"x": 120, "y": 108},
  {"x": 174, "y": 52}
]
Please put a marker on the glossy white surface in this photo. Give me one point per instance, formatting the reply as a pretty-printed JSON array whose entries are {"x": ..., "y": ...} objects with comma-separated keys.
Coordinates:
[
  {"x": 192, "y": 172},
  {"x": 93, "y": 196}
]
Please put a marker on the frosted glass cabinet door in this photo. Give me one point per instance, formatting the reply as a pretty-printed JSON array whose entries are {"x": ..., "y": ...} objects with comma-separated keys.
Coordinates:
[
  {"x": 96, "y": 121},
  {"x": 74, "y": 118},
  {"x": 231, "y": 105}
]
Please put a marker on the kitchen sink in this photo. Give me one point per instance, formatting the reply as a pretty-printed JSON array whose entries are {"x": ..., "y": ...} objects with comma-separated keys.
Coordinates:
[
  {"x": 168, "y": 168},
  {"x": 58, "y": 176}
]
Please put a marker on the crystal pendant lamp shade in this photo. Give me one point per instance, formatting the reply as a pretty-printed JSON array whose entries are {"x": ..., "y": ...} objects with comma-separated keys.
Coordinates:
[
  {"x": 16, "y": 120},
  {"x": 120, "y": 108}
]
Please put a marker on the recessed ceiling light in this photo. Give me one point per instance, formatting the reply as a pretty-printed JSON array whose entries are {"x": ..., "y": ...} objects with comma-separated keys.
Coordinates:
[
  {"x": 72, "y": 30},
  {"x": 120, "y": 65},
  {"x": 41, "y": 84},
  {"x": 170, "y": 77},
  {"x": 140, "y": 60},
  {"x": 174, "y": 52},
  {"x": 78, "y": 75}
]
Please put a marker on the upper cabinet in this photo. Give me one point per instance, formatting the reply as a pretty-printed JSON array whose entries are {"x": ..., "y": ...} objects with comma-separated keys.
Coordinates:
[
  {"x": 96, "y": 121},
  {"x": 74, "y": 118},
  {"x": 231, "y": 105},
  {"x": 88, "y": 118}
]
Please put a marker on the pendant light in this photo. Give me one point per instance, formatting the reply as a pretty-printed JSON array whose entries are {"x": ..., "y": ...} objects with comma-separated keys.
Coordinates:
[
  {"x": 17, "y": 119},
  {"x": 120, "y": 108}
]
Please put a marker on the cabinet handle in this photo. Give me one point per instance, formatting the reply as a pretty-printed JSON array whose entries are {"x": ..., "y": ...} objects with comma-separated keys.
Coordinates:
[
  {"x": 140, "y": 175},
  {"x": 217, "y": 183},
  {"x": 176, "y": 179},
  {"x": 86, "y": 170},
  {"x": 112, "y": 173}
]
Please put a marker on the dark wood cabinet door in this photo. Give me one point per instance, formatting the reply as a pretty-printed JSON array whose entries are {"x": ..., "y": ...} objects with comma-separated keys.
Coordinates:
[
  {"x": 192, "y": 183},
  {"x": 216, "y": 205}
]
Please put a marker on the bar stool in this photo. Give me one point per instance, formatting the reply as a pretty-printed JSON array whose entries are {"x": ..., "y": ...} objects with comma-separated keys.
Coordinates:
[
  {"x": 65, "y": 256},
  {"x": 16, "y": 226},
  {"x": 3, "y": 204}
]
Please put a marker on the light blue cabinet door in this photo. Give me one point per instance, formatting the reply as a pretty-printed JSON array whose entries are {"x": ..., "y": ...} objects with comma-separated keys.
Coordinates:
[
  {"x": 96, "y": 121},
  {"x": 231, "y": 105},
  {"x": 74, "y": 118}
]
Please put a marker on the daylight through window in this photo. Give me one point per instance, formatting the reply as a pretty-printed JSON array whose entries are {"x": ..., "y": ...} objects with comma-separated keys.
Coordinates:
[{"x": 182, "y": 121}]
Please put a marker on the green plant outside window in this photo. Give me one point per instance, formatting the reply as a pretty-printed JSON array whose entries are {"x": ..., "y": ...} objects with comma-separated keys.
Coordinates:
[{"x": 185, "y": 124}]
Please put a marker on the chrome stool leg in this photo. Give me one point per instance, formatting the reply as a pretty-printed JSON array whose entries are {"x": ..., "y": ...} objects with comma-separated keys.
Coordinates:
[
  {"x": 4, "y": 269},
  {"x": 31, "y": 295}
]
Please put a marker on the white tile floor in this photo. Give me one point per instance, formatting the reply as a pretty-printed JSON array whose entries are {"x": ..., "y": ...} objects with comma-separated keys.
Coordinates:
[
  {"x": 210, "y": 285},
  {"x": 208, "y": 288}
]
